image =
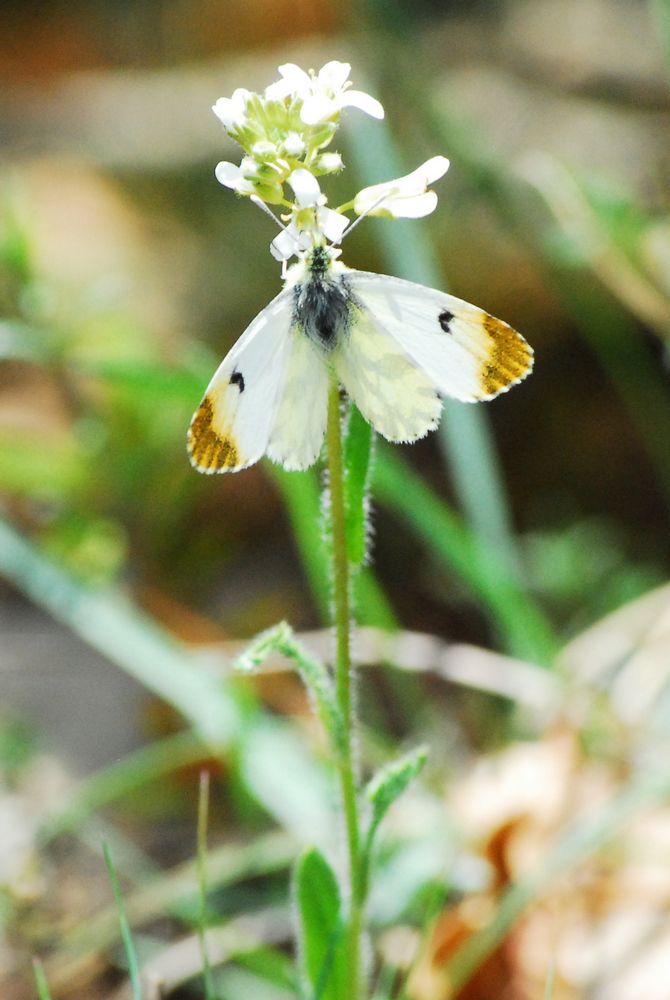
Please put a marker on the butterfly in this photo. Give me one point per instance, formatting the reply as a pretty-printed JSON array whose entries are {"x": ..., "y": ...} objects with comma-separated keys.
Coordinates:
[{"x": 395, "y": 346}]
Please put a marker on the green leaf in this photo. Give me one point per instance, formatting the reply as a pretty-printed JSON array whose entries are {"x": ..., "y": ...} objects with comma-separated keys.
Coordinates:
[
  {"x": 107, "y": 621},
  {"x": 303, "y": 502},
  {"x": 126, "y": 935},
  {"x": 302, "y": 496},
  {"x": 41, "y": 980},
  {"x": 272, "y": 966},
  {"x": 391, "y": 782},
  {"x": 15, "y": 245},
  {"x": 315, "y": 676},
  {"x": 523, "y": 627},
  {"x": 661, "y": 11},
  {"x": 549, "y": 985},
  {"x": 381, "y": 792},
  {"x": 128, "y": 776},
  {"x": 201, "y": 862},
  {"x": 357, "y": 455},
  {"x": 465, "y": 431},
  {"x": 321, "y": 931},
  {"x": 290, "y": 782},
  {"x": 51, "y": 470}
]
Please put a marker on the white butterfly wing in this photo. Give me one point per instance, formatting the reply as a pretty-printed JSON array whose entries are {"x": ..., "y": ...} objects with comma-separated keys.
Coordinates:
[
  {"x": 403, "y": 345},
  {"x": 388, "y": 387},
  {"x": 299, "y": 426},
  {"x": 231, "y": 428},
  {"x": 464, "y": 352},
  {"x": 268, "y": 396}
]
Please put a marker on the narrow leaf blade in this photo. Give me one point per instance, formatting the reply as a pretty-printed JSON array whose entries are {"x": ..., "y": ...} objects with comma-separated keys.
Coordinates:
[
  {"x": 321, "y": 929},
  {"x": 357, "y": 456},
  {"x": 389, "y": 784}
]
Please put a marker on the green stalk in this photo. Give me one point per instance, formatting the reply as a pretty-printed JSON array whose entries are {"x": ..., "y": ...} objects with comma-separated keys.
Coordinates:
[
  {"x": 201, "y": 862},
  {"x": 660, "y": 10},
  {"x": 126, "y": 933},
  {"x": 343, "y": 682}
]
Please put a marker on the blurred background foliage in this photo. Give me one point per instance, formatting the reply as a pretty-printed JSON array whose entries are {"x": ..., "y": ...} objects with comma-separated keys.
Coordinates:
[{"x": 126, "y": 272}]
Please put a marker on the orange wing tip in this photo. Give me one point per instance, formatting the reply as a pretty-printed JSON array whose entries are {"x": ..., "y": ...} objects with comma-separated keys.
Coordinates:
[
  {"x": 509, "y": 360},
  {"x": 208, "y": 451}
]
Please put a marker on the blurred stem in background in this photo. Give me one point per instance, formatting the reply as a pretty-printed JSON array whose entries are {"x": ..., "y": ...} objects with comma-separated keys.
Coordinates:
[
  {"x": 464, "y": 431},
  {"x": 660, "y": 10},
  {"x": 606, "y": 326},
  {"x": 490, "y": 557},
  {"x": 602, "y": 321}
]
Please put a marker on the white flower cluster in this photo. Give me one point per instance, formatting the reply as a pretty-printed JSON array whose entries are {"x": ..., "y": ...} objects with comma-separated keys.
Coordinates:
[{"x": 284, "y": 134}]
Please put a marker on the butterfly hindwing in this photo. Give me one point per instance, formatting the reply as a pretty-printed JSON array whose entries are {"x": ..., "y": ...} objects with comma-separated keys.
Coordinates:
[
  {"x": 388, "y": 387},
  {"x": 300, "y": 421},
  {"x": 465, "y": 353}
]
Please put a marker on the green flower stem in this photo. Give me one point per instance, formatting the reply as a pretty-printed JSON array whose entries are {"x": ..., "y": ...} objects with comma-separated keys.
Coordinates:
[{"x": 343, "y": 683}]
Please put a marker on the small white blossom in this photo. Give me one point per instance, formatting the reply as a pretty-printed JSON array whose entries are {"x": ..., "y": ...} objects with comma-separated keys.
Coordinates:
[
  {"x": 329, "y": 162},
  {"x": 305, "y": 187},
  {"x": 250, "y": 172},
  {"x": 325, "y": 225},
  {"x": 331, "y": 223},
  {"x": 406, "y": 197},
  {"x": 324, "y": 94},
  {"x": 231, "y": 111},
  {"x": 232, "y": 176},
  {"x": 264, "y": 150},
  {"x": 294, "y": 144},
  {"x": 290, "y": 243}
]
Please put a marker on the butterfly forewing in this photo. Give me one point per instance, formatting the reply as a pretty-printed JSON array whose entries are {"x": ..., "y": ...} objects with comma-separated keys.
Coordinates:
[
  {"x": 231, "y": 428},
  {"x": 466, "y": 353}
]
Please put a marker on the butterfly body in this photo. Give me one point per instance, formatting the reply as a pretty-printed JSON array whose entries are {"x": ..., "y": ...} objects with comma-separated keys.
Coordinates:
[
  {"x": 396, "y": 347},
  {"x": 323, "y": 302}
]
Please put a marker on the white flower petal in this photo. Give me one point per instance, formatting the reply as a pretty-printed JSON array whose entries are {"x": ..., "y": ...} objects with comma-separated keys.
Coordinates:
[
  {"x": 428, "y": 172},
  {"x": 228, "y": 174},
  {"x": 264, "y": 150},
  {"x": 227, "y": 112},
  {"x": 299, "y": 81},
  {"x": 332, "y": 224},
  {"x": 305, "y": 186},
  {"x": 436, "y": 167},
  {"x": 357, "y": 99},
  {"x": 333, "y": 76},
  {"x": 329, "y": 162},
  {"x": 294, "y": 144},
  {"x": 409, "y": 208},
  {"x": 397, "y": 193},
  {"x": 231, "y": 111},
  {"x": 318, "y": 108},
  {"x": 285, "y": 245},
  {"x": 370, "y": 196},
  {"x": 278, "y": 90}
]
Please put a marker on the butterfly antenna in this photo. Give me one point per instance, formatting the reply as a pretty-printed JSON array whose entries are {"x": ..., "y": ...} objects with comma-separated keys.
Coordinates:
[
  {"x": 268, "y": 211},
  {"x": 360, "y": 218}
]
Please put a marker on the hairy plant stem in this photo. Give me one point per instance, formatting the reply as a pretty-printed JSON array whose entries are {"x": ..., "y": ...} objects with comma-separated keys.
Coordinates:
[{"x": 343, "y": 684}]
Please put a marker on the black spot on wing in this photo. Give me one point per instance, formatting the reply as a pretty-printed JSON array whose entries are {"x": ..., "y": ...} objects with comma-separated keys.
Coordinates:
[
  {"x": 237, "y": 379},
  {"x": 445, "y": 319}
]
